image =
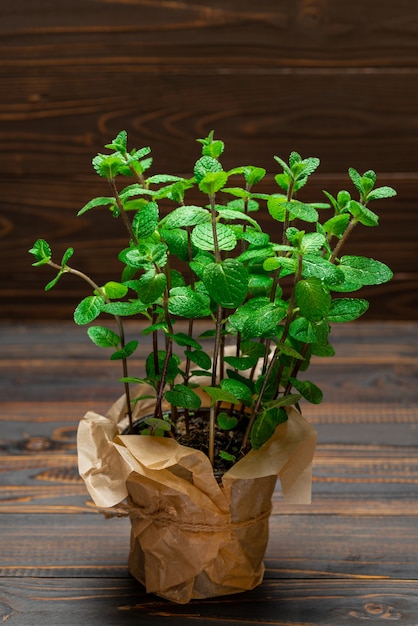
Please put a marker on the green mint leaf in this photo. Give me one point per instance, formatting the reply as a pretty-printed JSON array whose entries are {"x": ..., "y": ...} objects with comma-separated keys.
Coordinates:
[
  {"x": 347, "y": 309},
  {"x": 205, "y": 165},
  {"x": 365, "y": 270},
  {"x": 202, "y": 237},
  {"x": 103, "y": 337},
  {"x": 239, "y": 389},
  {"x": 151, "y": 286},
  {"x": 213, "y": 182},
  {"x": 199, "y": 358},
  {"x": 96, "y": 202},
  {"x": 185, "y": 302},
  {"x": 41, "y": 251},
  {"x": 88, "y": 309},
  {"x": 308, "y": 390},
  {"x": 145, "y": 220},
  {"x": 312, "y": 298},
  {"x": 184, "y": 216},
  {"x": 125, "y": 352},
  {"x": 220, "y": 395},
  {"x": 226, "y": 422},
  {"x": 114, "y": 290},
  {"x": 119, "y": 143},
  {"x": 226, "y": 282},
  {"x": 265, "y": 425},
  {"x": 183, "y": 396}
]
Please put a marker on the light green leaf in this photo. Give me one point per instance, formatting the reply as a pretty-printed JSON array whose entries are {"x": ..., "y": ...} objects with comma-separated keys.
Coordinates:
[
  {"x": 202, "y": 237},
  {"x": 220, "y": 395},
  {"x": 312, "y": 298},
  {"x": 213, "y": 182},
  {"x": 151, "y": 286},
  {"x": 185, "y": 216},
  {"x": 226, "y": 422},
  {"x": 103, "y": 337},
  {"x": 145, "y": 220},
  {"x": 347, "y": 309},
  {"x": 114, "y": 290},
  {"x": 95, "y": 202},
  {"x": 88, "y": 309},
  {"x": 185, "y": 302},
  {"x": 365, "y": 270},
  {"x": 41, "y": 251}
]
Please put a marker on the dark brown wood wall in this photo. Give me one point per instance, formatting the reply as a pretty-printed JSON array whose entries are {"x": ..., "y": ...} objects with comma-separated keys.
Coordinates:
[{"x": 334, "y": 79}]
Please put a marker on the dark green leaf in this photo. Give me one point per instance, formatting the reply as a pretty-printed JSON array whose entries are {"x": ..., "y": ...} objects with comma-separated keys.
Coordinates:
[
  {"x": 200, "y": 358},
  {"x": 126, "y": 351},
  {"x": 308, "y": 390},
  {"x": 183, "y": 396},
  {"x": 265, "y": 425},
  {"x": 226, "y": 282}
]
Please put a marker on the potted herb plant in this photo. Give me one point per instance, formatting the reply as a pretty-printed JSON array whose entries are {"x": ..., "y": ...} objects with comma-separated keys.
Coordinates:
[{"x": 192, "y": 449}]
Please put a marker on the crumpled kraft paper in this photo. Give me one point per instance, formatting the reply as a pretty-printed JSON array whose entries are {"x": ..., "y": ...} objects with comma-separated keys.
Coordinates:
[{"x": 192, "y": 537}]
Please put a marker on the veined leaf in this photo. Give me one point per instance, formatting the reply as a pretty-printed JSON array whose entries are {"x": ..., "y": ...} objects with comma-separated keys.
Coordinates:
[
  {"x": 312, "y": 299},
  {"x": 184, "y": 216},
  {"x": 126, "y": 351},
  {"x": 95, "y": 202},
  {"x": 183, "y": 396},
  {"x": 151, "y": 286},
  {"x": 41, "y": 251},
  {"x": 347, "y": 309},
  {"x": 220, "y": 395},
  {"x": 185, "y": 302},
  {"x": 226, "y": 282},
  {"x": 365, "y": 270},
  {"x": 103, "y": 337},
  {"x": 265, "y": 425},
  {"x": 202, "y": 237},
  {"x": 145, "y": 220},
  {"x": 308, "y": 390},
  {"x": 88, "y": 309}
]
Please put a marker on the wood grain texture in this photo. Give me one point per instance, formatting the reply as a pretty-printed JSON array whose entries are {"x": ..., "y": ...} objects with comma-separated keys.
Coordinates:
[
  {"x": 324, "y": 78},
  {"x": 349, "y": 558}
]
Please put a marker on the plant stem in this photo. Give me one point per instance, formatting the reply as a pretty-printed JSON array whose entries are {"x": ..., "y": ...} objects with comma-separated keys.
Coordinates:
[
  {"x": 87, "y": 279},
  {"x": 122, "y": 211},
  {"x": 343, "y": 239},
  {"x": 216, "y": 352}
]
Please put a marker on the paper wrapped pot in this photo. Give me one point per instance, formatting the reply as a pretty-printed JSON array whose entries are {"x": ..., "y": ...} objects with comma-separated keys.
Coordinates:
[{"x": 192, "y": 537}]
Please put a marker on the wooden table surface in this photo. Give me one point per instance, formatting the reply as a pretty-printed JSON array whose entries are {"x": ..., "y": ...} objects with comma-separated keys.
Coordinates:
[{"x": 349, "y": 558}]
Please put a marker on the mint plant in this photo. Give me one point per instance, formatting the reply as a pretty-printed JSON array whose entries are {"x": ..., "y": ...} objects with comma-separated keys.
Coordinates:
[{"x": 269, "y": 304}]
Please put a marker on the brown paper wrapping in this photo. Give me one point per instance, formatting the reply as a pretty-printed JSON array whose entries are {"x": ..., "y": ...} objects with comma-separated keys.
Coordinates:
[{"x": 192, "y": 537}]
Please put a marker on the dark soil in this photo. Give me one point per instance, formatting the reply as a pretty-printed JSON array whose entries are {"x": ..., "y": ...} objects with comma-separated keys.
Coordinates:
[{"x": 196, "y": 436}]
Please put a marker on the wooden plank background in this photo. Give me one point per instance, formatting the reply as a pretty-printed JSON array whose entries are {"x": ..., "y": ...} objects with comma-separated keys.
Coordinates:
[
  {"x": 336, "y": 80},
  {"x": 347, "y": 559}
]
